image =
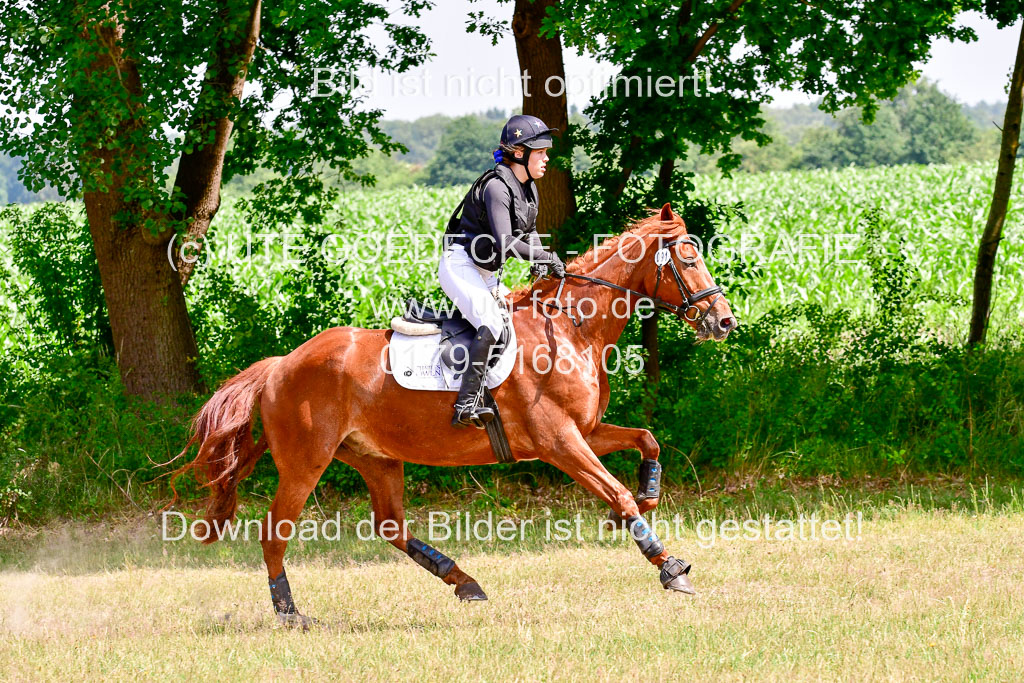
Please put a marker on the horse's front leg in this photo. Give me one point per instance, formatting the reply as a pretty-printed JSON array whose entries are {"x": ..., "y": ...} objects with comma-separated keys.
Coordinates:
[
  {"x": 606, "y": 438},
  {"x": 578, "y": 460}
]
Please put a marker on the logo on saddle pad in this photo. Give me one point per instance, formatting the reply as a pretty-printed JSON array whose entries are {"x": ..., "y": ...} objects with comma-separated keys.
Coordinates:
[{"x": 423, "y": 370}]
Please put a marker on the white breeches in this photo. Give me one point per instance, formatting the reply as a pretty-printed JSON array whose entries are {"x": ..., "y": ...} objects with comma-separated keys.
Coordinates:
[{"x": 471, "y": 288}]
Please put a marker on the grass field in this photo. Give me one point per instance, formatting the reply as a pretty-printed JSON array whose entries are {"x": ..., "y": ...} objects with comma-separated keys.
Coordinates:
[{"x": 932, "y": 589}]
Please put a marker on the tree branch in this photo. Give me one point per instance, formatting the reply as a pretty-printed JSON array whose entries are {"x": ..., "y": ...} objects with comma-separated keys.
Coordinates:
[
  {"x": 711, "y": 30},
  {"x": 201, "y": 171},
  {"x": 634, "y": 143}
]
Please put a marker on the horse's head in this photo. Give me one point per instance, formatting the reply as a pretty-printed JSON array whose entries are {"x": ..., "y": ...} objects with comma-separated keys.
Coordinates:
[{"x": 674, "y": 273}]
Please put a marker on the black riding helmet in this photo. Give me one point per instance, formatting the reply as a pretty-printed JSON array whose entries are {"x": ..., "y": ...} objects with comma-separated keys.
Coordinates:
[{"x": 528, "y": 131}]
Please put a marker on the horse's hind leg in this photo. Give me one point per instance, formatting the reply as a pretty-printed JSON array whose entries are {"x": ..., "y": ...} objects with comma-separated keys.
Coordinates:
[
  {"x": 297, "y": 479},
  {"x": 606, "y": 438},
  {"x": 385, "y": 478},
  {"x": 577, "y": 459}
]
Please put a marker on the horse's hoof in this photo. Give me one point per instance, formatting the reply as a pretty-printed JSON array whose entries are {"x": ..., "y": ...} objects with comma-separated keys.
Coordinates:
[
  {"x": 682, "y": 584},
  {"x": 470, "y": 591},
  {"x": 299, "y": 621},
  {"x": 674, "y": 576}
]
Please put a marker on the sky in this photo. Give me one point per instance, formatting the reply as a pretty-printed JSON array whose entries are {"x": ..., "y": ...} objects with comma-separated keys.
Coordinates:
[{"x": 468, "y": 74}]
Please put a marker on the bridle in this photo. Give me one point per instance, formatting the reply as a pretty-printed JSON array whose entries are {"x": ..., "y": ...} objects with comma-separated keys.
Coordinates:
[{"x": 662, "y": 258}]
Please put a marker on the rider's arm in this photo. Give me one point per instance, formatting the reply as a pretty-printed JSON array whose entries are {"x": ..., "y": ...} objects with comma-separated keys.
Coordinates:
[
  {"x": 534, "y": 239},
  {"x": 498, "y": 200}
]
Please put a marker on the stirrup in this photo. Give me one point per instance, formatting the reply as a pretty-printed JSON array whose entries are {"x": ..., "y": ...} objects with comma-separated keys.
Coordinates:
[{"x": 476, "y": 415}]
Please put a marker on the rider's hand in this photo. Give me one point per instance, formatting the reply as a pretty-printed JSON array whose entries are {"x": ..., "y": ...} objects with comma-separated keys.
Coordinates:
[
  {"x": 539, "y": 270},
  {"x": 557, "y": 267}
]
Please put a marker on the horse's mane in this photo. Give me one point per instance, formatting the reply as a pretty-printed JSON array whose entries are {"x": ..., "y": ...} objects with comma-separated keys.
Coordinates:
[{"x": 589, "y": 260}]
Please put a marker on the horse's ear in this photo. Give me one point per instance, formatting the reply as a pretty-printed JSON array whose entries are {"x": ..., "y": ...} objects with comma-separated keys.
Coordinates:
[{"x": 666, "y": 213}]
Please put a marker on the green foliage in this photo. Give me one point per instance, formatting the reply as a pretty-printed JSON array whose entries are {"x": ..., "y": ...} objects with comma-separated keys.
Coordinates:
[
  {"x": 921, "y": 125},
  {"x": 804, "y": 391},
  {"x": 464, "y": 152},
  {"x": 778, "y": 156},
  {"x": 849, "y": 54},
  {"x": 420, "y": 140},
  {"x": 52, "y": 286},
  {"x": 14, "y": 191},
  {"x": 820, "y": 147},
  {"x": 939, "y": 210},
  {"x": 389, "y": 172},
  {"x": 238, "y": 324},
  {"x": 936, "y": 126},
  {"x": 879, "y": 143},
  {"x": 64, "y": 107},
  {"x": 76, "y": 445},
  {"x": 422, "y": 136}
]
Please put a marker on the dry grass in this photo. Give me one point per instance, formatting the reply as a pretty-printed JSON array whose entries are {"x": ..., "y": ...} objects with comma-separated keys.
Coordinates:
[{"x": 924, "y": 594}]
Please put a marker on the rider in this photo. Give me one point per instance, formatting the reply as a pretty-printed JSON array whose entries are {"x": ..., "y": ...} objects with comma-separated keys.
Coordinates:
[{"x": 499, "y": 218}]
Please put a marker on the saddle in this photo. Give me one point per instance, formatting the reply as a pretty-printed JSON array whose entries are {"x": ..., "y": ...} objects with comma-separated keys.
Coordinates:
[{"x": 456, "y": 333}]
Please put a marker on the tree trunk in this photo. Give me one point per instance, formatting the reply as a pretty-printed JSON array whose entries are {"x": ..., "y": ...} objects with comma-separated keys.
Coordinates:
[
  {"x": 990, "y": 239},
  {"x": 541, "y": 58},
  {"x": 668, "y": 165},
  {"x": 155, "y": 349}
]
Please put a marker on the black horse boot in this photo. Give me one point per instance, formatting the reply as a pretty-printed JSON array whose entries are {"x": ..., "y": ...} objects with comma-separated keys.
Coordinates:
[{"x": 468, "y": 410}]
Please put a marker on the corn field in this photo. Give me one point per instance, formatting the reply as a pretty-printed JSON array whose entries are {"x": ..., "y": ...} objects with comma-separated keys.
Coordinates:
[{"x": 803, "y": 241}]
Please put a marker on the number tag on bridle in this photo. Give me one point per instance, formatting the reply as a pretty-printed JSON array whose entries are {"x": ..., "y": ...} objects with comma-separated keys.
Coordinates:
[{"x": 662, "y": 256}]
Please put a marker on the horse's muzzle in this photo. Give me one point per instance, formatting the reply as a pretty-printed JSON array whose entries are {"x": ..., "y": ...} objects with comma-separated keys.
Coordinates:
[{"x": 717, "y": 324}]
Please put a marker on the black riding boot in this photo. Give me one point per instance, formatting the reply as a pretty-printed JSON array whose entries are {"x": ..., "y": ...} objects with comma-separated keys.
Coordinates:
[{"x": 468, "y": 410}]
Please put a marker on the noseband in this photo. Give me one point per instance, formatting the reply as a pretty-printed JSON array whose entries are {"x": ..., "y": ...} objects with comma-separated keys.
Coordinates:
[{"x": 662, "y": 258}]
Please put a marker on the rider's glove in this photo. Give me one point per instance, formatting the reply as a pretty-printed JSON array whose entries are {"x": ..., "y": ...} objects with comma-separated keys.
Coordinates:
[
  {"x": 557, "y": 267},
  {"x": 539, "y": 270}
]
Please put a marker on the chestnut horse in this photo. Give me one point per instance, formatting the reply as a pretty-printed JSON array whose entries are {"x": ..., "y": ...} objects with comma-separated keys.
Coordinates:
[{"x": 334, "y": 397}]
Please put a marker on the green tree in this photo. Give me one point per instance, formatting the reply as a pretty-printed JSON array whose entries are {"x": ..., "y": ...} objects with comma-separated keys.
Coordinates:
[
  {"x": 465, "y": 151},
  {"x": 820, "y": 147},
  {"x": 777, "y": 156},
  {"x": 99, "y": 97},
  {"x": 935, "y": 125},
  {"x": 849, "y": 53},
  {"x": 880, "y": 142},
  {"x": 420, "y": 137}
]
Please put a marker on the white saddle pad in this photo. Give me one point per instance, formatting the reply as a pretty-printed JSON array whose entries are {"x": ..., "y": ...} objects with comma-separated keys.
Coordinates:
[{"x": 416, "y": 363}]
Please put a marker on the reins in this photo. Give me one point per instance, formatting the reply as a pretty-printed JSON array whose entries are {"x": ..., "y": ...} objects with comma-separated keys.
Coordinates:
[{"x": 662, "y": 258}]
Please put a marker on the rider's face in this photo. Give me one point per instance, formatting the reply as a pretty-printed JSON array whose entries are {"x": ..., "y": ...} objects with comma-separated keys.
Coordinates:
[{"x": 538, "y": 162}]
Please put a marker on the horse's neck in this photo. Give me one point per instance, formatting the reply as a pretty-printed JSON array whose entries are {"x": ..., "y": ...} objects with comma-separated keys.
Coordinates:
[{"x": 611, "y": 308}]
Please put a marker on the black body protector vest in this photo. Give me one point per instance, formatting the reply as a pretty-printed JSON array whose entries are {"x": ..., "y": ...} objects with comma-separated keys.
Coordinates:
[{"x": 473, "y": 231}]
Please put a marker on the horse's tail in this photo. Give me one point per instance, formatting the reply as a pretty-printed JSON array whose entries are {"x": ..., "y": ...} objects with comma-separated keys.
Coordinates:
[{"x": 227, "y": 452}]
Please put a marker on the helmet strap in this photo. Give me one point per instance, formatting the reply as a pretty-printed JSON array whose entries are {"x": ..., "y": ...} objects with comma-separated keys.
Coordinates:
[{"x": 525, "y": 161}]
